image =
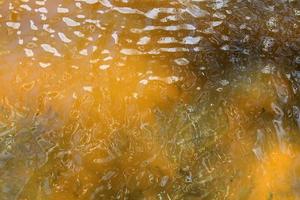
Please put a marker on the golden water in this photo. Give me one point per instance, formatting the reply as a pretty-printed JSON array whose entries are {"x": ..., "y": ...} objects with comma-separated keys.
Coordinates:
[{"x": 149, "y": 99}]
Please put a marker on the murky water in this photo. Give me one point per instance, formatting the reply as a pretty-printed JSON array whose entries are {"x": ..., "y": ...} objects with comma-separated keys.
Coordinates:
[{"x": 150, "y": 99}]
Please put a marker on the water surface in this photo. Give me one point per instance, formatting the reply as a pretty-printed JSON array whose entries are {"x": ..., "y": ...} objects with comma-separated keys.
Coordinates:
[{"x": 149, "y": 99}]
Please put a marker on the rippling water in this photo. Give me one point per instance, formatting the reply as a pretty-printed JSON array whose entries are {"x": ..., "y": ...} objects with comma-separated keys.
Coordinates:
[{"x": 150, "y": 99}]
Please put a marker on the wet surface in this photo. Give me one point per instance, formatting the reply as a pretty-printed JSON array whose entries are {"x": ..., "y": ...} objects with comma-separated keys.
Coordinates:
[{"x": 144, "y": 99}]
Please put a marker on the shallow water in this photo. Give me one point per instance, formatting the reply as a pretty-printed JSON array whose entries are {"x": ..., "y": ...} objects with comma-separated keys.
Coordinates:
[{"x": 150, "y": 99}]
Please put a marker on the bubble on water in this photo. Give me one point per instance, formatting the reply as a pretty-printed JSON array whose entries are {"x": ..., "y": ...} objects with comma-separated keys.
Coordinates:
[
  {"x": 258, "y": 148},
  {"x": 28, "y": 52},
  {"x": 268, "y": 43},
  {"x": 181, "y": 61},
  {"x": 279, "y": 128},
  {"x": 153, "y": 13},
  {"x": 20, "y": 41},
  {"x": 48, "y": 29},
  {"x": 127, "y": 10},
  {"x": 105, "y": 51},
  {"x": 62, "y": 10},
  {"x": 33, "y": 26},
  {"x": 167, "y": 28},
  {"x": 296, "y": 114},
  {"x": 43, "y": 17},
  {"x": 42, "y": 10},
  {"x": 44, "y": 65},
  {"x": 106, "y": 3},
  {"x": 78, "y": 5},
  {"x": 297, "y": 60},
  {"x": 40, "y": 3},
  {"x": 272, "y": 24},
  {"x": 107, "y": 58},
  {"x": 104, "y": 67},
  {"x": 171, "y": 79},
  {"x": 83, "y": 52},
  {"x": 63, "y": 37},
  {"x": 170, "y": 18},
  {"x": 144, "y": 82},
  {"x": 87, "y": 88},
  {"x": 14, "y": 25},
  {"x": 131, "y": 52},
  {"x": 191, "y": 40},
  {"x": 219, "y": 15},
  {"x": 218, "y": 4},
  {"x": 143, "y": 40},
  {"x": 216, "y": 23},
  {"x": 50, "y": 49},
  {"x": 80, "y": 16},
  {"x": 164, "y": 181},
  {"x": 174, "y": 49},
  {"x": 268, "y": 69},
  {"x": 78, "y": 33},
  {"x": 167, "y": 40},
  {"x": 224, "y": 82},
  {"x": 115, "y": 37},
  {"x": 91, "y": 1},
  {"x": 225, "y": 47},
  {"x": 26, "y": 7},
  {"x": 70, "y": 22},
  {"x": 193, "y": 9}
]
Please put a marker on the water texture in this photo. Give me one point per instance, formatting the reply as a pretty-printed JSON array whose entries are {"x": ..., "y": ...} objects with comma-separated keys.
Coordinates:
[{"x": 150, "y": 99}]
